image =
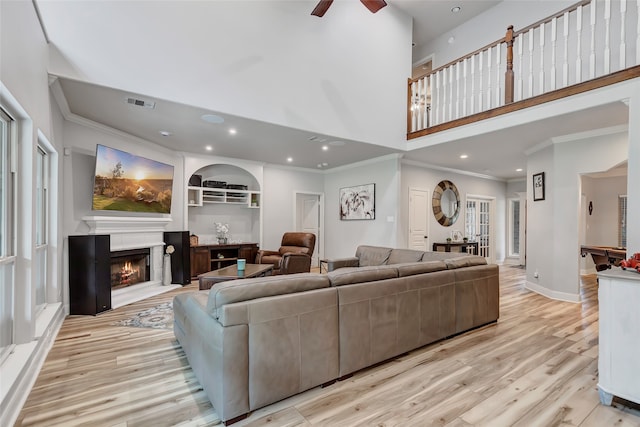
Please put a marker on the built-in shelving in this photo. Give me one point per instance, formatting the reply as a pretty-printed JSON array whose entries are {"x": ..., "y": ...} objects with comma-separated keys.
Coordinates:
[{"x": 198, "y": 196}]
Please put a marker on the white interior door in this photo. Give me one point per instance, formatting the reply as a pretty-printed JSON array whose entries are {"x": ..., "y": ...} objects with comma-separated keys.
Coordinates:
[
  {"x": 308, "y": 219},
  {"x": 479, "y": 225},
  {"x": 418, "y": 219}
]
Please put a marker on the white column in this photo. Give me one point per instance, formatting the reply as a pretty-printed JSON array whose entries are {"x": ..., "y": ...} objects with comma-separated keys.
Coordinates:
[{"x": 633, "y": 175}]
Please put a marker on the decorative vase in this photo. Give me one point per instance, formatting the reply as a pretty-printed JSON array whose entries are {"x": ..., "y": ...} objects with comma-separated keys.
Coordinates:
[
  {"x": 166, "y": 270},
  {"x": 222, "y": 240}
]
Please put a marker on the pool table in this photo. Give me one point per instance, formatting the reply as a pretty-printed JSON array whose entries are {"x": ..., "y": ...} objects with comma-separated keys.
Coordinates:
[{"x": 604, "y": 256}]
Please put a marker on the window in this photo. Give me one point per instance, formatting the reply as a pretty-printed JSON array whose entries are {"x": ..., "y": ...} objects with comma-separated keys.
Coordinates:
[
  {"x": 622, "y": 221},
  {"x": 514, "y": 227},
  {"x": 41, "y": 226},
  {"x": 7, "y": 245}
]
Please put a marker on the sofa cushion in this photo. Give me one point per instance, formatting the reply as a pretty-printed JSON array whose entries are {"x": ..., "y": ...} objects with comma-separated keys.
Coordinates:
[
  {"x": 399, "y": 256},
  {"x": 441, "y": 256},
  {"x": 351, "y": 275},
  {"x": 413, "y": 268},
  {"x": 372, "y": 255},
  {"x": 465, "y": 261},
  {"x": 248, "y": 289}
]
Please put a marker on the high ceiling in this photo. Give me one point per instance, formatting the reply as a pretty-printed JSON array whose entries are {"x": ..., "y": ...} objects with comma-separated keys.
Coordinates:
[{"x": 269, "y": 143}]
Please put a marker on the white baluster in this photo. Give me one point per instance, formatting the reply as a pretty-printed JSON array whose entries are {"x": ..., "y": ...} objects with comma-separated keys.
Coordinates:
[
  {"x": 451, "y": 92},
  {"x": 419, "y": 105},
  {"x": 488, "y": 78},
  {"x": 530, "y": 34},
  {"x": 444, "y": 96},
  {"x": 414, "y": 124},
  {"x": 435, "y": 106},
  {"x": 425, "y": 110},
  {"x": 579, "y": 44},
  {"x": 607, "y": 37},
  {"x": 457, "y": 90},
  {"x": 542, "y": 40},
  {"x": 592, "y": 54},
  {"x": 565, "y": 64},
  {"x": 464, "y": 87},
  {"x": 552, "y": 71},
  {"x": 480, "y": 103},
  {"x": 429, "y": 101},
  {"x": 519, "y": 92},
  {"x": 623, "y": 36},
  {"x": 472, "y": 105},
  {"x": 499, "y": 73}
]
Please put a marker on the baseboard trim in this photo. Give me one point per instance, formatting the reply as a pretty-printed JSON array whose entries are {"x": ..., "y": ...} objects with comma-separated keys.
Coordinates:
[
  {"x": 26, "y": 364},
  {"x": 560, "y": 296}
]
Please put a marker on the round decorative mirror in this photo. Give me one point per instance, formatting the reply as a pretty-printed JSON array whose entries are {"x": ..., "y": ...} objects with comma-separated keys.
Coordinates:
[{"x": 446, "y": 203}]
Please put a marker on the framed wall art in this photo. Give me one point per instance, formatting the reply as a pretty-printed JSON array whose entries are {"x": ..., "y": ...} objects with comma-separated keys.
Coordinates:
[
  {"x": 538, "y": 186},
  {"x": 358, "y": 202}
]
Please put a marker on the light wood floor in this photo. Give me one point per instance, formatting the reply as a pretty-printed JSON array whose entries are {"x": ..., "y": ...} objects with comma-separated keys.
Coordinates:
[{"x": 536, "y": 367}]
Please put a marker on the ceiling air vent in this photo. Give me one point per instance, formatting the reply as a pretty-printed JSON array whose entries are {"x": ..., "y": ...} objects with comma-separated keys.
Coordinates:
[{"x": 141, "y": 102}]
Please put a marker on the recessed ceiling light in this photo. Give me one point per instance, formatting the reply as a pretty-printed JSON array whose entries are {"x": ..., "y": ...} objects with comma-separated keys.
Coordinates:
[
  {"x": 165, "y": 133},
  {"x": 232, "y": 131},
  {"x": 519, "y": 170},
  {"x": 463, "y": 156},
  {"x": 289, "y": 159},
  {"x": 208, "y": 148},
  {"x": 325, "y": 164},
  {"x": 456, "y": 9},
  {"x": 325, "y": 147},
  {"x": 212, "y": 118},
  {"x": 319, "y": 165}
]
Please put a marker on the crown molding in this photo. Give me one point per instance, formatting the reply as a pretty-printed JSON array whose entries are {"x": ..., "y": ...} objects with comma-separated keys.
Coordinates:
[
  {"x": 590, "y": 134},
  {"x": 457, "y": 171}
]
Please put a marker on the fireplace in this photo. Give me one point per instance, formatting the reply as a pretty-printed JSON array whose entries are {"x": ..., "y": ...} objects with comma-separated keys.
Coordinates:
[{"x": 130, "y": 267}]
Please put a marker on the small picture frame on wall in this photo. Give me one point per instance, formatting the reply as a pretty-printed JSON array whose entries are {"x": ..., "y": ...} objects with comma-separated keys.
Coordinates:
[
  {"x": 538, "y": 186},
  {"x": 358, "y": 202}
]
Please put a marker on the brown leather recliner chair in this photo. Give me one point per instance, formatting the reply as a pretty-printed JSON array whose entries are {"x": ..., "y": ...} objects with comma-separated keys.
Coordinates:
[{"x": 294, "y": 255}]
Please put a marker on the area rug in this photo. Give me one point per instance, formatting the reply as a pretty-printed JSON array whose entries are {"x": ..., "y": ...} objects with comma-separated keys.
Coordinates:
[{"x": 158, "y": 317}]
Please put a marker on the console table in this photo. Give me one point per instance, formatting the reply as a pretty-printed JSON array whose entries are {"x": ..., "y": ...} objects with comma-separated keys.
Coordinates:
[
  {"x": 206, "y": 258},
  {"x": 464, "y": 247}
]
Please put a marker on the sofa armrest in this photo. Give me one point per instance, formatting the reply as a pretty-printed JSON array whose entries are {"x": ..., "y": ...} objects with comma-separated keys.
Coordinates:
[
  {"x": 334, "y": 264},
  {"x": 262, "y": 253},
  {"x": 295, "y": 263}
]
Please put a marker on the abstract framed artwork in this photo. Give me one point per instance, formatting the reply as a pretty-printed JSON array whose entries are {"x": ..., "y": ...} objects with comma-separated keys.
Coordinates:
[
  {"x": 358, "y": 202},
  {"x": 538, "y": 186}
]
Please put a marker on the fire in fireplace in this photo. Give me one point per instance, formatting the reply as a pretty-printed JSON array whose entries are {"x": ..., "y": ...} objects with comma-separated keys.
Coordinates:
[{"x": 130, "y": 267}]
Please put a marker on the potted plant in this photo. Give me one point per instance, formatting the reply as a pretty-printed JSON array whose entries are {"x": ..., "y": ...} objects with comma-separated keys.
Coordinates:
[
  {"x": 465, "y": 239},
  {"x": 448, "y": 239}
]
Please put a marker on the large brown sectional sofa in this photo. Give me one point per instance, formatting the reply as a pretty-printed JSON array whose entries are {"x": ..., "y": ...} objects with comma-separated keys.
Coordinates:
[{"x": 252, "y": 342}]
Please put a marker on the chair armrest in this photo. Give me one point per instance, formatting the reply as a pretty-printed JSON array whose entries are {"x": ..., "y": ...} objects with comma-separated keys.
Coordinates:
[
  {"x": 295, "y": 263},
  {"x": 334, "y": 264},
  {"x": 262, "y": 253}
]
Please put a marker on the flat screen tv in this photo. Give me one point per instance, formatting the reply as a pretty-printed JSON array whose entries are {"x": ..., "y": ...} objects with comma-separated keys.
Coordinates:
[{"x": 125, "y": 182}]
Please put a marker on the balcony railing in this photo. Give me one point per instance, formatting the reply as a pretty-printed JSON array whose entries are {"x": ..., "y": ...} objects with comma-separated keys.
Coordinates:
[{"x": 588, "y": 45}]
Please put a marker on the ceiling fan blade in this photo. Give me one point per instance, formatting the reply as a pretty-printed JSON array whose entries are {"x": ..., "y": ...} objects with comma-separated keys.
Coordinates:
[
  {"x": 321, "y": 8},
  {"x": 374, "y": 5}
]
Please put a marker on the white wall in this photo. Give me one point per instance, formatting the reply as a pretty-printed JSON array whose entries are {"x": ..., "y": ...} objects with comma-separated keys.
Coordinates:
[
  {"x": 415, "y": 176},
  {"x": 79, "y": 170},
  {"x": 343, "y": 75},
  {"x": 279, "y": 201},
  {"x": 343, "y": 237},
  {"x": 487, "y": 27},
  {"x": 24, "y": 93},
  {"x": 553, "y": 224}
]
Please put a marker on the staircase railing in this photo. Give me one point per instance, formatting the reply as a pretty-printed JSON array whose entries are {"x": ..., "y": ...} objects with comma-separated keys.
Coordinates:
[{"x": 586, "y": 41}]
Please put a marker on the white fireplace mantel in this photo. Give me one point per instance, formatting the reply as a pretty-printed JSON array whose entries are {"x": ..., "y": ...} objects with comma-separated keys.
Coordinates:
[{"x": 121, "y": 224}]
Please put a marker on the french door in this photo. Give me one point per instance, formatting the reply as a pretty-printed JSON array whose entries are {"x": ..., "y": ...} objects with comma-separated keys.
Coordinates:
[{"x": 479, "y": 225}]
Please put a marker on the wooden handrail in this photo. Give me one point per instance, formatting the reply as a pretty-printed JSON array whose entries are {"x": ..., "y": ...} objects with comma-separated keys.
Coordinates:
[
  {"x": 549, "y": 18},
  {"x": 455, "y": 61}
]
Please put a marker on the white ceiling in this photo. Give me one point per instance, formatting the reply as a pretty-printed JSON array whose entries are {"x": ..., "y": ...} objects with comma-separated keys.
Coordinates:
[{"x": 497, "y": 154}]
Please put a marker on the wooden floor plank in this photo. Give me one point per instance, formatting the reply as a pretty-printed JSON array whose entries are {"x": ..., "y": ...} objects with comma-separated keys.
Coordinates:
[{"x": 537, "y": 366}]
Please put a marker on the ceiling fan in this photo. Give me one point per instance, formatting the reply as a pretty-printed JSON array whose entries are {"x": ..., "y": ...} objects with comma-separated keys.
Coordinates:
[{"x": 372, "y": 5}]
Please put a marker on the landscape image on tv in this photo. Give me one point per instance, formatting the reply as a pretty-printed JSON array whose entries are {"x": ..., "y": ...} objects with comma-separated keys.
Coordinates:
[{"x": 124, "y": 182}]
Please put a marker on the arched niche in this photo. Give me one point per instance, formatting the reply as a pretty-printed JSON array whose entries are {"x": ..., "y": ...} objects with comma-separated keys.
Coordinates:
[{"x": 244, "y": 219}]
